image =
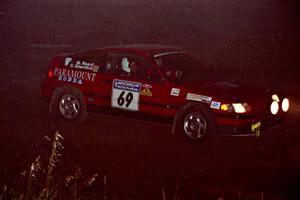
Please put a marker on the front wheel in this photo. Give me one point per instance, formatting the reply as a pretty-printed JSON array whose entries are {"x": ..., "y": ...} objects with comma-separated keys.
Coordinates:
[
  {"x": 195, "y": 125},
  {"x": 196, "y": 122}
]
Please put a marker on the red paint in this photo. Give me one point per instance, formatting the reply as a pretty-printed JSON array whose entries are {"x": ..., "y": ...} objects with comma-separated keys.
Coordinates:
[{"x": 99, "y": 87}]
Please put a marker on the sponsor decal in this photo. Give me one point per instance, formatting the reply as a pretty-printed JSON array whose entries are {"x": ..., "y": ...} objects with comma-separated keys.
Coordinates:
[
  {"x": 146, "y": 92},
  {"x": 125, "y": 95},
  {"x": 73, "y": 76},
  {"x": 127, "y": 85},
  {"x": 67, "y": 61},
  {"x": 175, "y": 92},
  {"x": 81, "y": 65},
  {"x": 215, "y": 105},
  {"x": 147, "y": 86},
  {"x": 198, "y": 97}
]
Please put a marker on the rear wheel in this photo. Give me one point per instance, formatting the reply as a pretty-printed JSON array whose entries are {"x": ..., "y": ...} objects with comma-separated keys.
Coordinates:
[{"x": 68, "y": 104}]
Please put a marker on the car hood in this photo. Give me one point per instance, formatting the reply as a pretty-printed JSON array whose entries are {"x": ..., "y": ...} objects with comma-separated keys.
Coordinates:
[{"x": 228, "y": 90}]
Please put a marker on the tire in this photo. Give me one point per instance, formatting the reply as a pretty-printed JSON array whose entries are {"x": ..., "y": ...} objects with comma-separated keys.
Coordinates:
[
  {"x": 195, "y": 122},
  {"x": 68, "y": 104}
]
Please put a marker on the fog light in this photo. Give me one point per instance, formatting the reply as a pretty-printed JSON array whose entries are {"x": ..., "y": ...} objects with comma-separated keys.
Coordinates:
[
  {"x": 274, "y": 107},
  {"x": 224, "y": 107},
  {"x": 285, "y": 105},
  {"x": 227, "y": 107}
]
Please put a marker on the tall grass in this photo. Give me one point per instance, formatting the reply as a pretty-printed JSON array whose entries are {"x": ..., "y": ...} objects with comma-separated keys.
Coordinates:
[{"x": 40, "y": 183}]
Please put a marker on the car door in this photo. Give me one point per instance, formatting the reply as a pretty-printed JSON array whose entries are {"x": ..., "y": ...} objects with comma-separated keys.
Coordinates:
[
  {"x": 145, "y": 90},
  {"x": 159, "y": 96},
  {"x": 120, "y": 83}
]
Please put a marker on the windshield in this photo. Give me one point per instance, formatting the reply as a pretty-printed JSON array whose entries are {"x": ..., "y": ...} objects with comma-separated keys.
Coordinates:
[{"x": 182, "y": 67}]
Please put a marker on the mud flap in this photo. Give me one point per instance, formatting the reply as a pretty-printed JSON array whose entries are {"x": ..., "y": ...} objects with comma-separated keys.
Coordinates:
[{"x": 175, "y": 123}]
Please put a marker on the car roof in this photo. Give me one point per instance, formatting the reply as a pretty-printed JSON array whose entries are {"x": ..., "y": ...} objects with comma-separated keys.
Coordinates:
[{"x": 151, "y": 49}]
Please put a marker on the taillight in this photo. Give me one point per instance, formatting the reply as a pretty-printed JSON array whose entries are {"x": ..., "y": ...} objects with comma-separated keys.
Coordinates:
[
  {"x": 50, "y": 74},
  {"x": 55, "y": 63}
]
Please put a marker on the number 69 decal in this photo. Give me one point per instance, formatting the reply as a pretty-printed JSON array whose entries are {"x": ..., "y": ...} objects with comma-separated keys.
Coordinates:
[
  {"x": 125, "y": 95},
  {"x": 128, "y": 99}
]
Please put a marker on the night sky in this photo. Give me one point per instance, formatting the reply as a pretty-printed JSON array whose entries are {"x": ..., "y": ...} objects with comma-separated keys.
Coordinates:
[{"x": 239, "y": 38}]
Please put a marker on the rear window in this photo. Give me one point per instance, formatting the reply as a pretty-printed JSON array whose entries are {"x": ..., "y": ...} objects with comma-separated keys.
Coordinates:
[{"x": 93, "y": 62}]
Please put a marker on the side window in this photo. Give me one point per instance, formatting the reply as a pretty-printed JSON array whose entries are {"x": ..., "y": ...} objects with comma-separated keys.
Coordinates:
[
  {"x": 155, "y": 77},
  {"x": 91, "y": 61},
  {"x": 127, "y": 65},
  {"x": 171, "y": 66},
  {"x": 112, "y": 65}
]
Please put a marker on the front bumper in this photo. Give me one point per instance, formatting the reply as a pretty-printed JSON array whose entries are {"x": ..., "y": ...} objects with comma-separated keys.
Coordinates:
[{"x": 252, "y": 125}]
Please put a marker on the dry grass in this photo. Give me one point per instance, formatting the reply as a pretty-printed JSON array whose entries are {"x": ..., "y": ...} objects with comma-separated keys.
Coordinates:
[{"x": 40, "y": 183}]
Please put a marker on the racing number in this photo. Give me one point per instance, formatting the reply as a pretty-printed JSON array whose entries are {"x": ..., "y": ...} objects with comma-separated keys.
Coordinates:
[
  {"x": 125, "y": 95},
  {"x": 128, "y": 99}
]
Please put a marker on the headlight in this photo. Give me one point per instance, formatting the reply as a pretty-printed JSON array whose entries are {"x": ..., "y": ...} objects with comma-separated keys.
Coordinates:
[
  {"x": 274, "y": 107},
  {"x": 239, "y": 108},
  {"x": 236, "y": 107},
  {"x": 285, "y": 104}
]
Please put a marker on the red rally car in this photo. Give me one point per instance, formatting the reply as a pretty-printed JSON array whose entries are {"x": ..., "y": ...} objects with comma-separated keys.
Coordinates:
[{"x": 159, "y": 80}]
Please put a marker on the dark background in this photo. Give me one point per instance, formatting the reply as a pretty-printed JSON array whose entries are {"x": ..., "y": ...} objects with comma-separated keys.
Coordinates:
[
  {"x": 241, "y": 36},
  {"x": 256, "y": 41}
]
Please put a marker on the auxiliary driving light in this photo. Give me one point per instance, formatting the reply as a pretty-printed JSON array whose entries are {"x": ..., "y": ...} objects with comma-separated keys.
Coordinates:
[
  {"x": 285, "y": 105},
  {"x": 275, "y": 97},
  {"x": 274, "y": 107}
]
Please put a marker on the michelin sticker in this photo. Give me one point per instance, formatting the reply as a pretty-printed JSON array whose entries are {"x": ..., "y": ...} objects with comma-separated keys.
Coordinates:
[
  {"x": 198, "y": 97},
  {"x": 125, "y": 95},
  {"x": 175, "y": 92},
  {"x": 215, "y": 105}
]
